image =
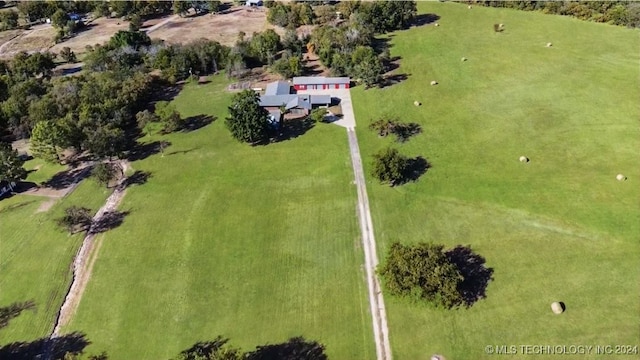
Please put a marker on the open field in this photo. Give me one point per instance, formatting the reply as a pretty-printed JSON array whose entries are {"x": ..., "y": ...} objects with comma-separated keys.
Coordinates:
[
  {"x": 223, "y": 28},
  {"x": 35, "y": 257},
  {"x": 559, "y": 228},
  {"x": 254, "y": 243},
  {"x": 99, "y": 31}
]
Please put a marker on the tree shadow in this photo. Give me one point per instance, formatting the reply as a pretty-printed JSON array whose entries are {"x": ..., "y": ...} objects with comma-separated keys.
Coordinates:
[
  {"x": 424, "y": 19},
  {"x": 108, "y": 221},
  {"x": 414, "y": 169},
  {"x": 67, "y": 178},
  {"x": 404, "y": 132},
  {"x": 296, "y": 348},
  {"x": 143, "y": 150},
  {"x": 55, "y": 348},
  {"x": 204, "y": 349},
  {"x": 292, "y": 128},
  {"x": 391, "y": 80},
  {"x": 476, "y": 275},
  {"x": 12, "y": 311},
  {"x": 137, "y": 178},
  {"x": 193, "y": 123}
]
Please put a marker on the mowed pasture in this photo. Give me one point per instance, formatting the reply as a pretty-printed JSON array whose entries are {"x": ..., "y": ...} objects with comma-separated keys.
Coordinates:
[
  {"x": 559, "y": 228},
  {"x": 36, "y": 257},
  {"x": 257, "y": 244}
]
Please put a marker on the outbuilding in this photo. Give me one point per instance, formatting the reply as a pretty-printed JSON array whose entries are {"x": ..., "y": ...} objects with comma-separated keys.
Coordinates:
[{"x": 320, "y": 83}]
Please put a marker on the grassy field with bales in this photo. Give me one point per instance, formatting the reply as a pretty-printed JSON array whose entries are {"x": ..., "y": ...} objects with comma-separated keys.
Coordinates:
[
  {"x": 258, "y": 244},
  {"x": 557, "y": 228}
]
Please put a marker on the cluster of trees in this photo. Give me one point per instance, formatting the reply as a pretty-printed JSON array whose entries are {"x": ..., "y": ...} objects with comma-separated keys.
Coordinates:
[
  {"x": 290, "y": 15},
  {"x": 296, "y": 348},
  {"x": 389, "y": 165},
  {"x": 422, "y": 272},
  {"x": 624, "y": 13},
  {"x": 348, "y": 49}
]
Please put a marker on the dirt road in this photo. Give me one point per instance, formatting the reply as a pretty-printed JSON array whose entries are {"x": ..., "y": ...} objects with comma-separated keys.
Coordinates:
[{"x": 376, "y": 301}]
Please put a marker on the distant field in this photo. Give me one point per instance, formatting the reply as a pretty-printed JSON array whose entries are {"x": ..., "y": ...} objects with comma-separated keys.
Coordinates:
[
  {"x": 35, "y": 258},
  {"x": 560, "y": 228},
  {"x": 258, "y": 244}
]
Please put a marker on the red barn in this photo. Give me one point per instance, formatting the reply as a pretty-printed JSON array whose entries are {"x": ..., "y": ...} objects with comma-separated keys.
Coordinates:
[{"x": 320, "y": 83}]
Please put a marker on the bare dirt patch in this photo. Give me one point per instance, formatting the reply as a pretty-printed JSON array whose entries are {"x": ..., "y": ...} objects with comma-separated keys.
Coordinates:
[
  {"x": 39, "y": 38},
  {"x": 46, "y": 205},
  {"x": 222, "y": 28},
  {"x": 99, "y": 31}
]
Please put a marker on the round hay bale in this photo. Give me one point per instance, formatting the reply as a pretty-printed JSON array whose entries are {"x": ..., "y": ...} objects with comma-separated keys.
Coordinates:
[
  {"x": 436, "y": 24},
  {"x": 433, "y": 82},
  {"x": 549, "y": 44},
  {"x": 557, "y": 307},
  {"x": 621, "y": 177},
  {"x": 417, "y": 103},
  {"x": 463, "y": 59},
  {"x": 469, "y": 7},
  {"x": 523, "y": 159}
]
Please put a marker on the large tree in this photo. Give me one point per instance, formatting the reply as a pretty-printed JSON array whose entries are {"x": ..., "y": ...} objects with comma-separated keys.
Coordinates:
[
  {"x": 104, "y": 173},
  {"x": 389, "y": 166},
  {"x": 75, "y": 219},
  {"x": 48, "y": 140},
  {"x": 247, "y": 120},
  {"x": 11, "y": 165},
  {"x": 423, "y": 272}
]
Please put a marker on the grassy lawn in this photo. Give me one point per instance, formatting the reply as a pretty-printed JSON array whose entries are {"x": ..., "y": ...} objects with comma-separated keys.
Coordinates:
[
  {"x": 560, "y": 228},
  {"x": 35, "y": 256},
  {"x": 257, "y": 244}
]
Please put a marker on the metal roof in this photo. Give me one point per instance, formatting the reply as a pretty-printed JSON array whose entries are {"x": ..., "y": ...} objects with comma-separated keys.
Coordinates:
[
  {"x": 319, "y": 80},
  {"x": 276, "y": 100},
  {"x": 278, "y": 88}
]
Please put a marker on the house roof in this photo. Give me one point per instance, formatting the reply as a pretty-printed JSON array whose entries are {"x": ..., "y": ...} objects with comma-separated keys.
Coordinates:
[
  {"x": 320, "y": 99},
  {"x": 319, "y": 80},
  {"x": 278, "y": 88},
  {"x": 276, "y": 100}
]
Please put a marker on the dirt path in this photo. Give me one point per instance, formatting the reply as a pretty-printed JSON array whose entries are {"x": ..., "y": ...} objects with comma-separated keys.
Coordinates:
[
  {"x": 376, "y": 300},
  {"x": 162, "y": 23},
  {"x": 85, "y": 258}
]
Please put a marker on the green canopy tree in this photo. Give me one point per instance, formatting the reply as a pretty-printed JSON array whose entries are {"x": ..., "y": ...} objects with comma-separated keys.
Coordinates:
[
  {"x": 48, "y": 141},
  {"x": 247, "y": 120},
  {"x": 75, "y": 219},
  {"x": 104, "y": 173},
  {"x": 423, "y": 272},
  {"x": 11, "y": 165},
  {"x": 389, "y": 166}
]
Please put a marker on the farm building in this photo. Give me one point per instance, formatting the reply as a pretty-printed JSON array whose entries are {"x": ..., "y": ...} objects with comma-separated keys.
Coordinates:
[
  {"x": 320, "y": 83},
  {"x": 279, "y": 94}
]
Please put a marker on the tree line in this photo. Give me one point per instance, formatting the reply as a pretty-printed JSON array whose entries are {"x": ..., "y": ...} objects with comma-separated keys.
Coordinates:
[{"x": 622, "y": 13}]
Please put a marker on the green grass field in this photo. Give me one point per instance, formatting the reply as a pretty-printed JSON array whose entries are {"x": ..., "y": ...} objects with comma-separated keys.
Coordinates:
[
  {"x": 35, "y": 258},
  {"x": 257, "y": 244},
  {"x": 560, "y": 228}
]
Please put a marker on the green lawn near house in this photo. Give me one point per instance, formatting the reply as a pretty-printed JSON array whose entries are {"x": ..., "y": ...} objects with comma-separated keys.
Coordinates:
[{"x": 258, "y": 244}]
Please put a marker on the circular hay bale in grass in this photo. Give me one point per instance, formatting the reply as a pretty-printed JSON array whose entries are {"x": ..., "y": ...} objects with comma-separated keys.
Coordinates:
[
  {"x": 433, "y": 82},
  {"x": 557, "y": 307},
  {"x": 417, "y": 103},
  {"x": 549, "y": 44},
  {"x": 501, "y": 25},
  {"x": 437, "y": 357},
  {"x": 621, "y": 177},
  {"x": 436, "y": 24},
  {"x": 524, "y": 159},
  {"x": 469, "y": 7},
  {"x": 463, "y": 59}
]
